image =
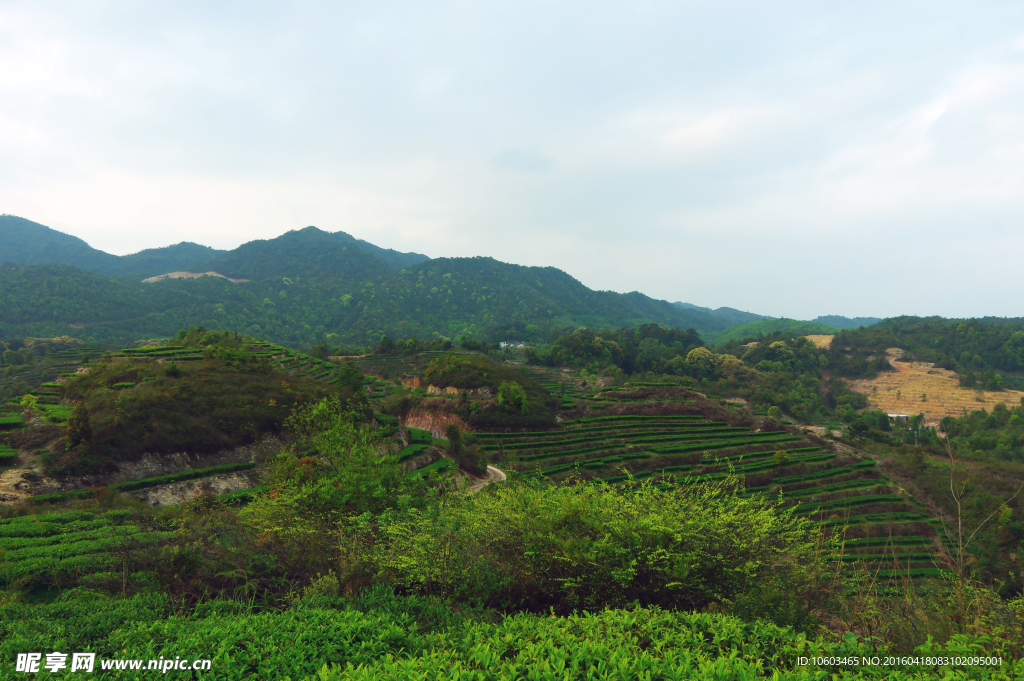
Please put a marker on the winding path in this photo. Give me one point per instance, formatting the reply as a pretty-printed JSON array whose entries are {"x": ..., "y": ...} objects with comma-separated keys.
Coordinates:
[{"x": 493, "y": 475}]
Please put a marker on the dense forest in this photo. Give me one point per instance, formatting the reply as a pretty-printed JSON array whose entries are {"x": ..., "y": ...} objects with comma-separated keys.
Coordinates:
[{"x": 309, "y": 285}]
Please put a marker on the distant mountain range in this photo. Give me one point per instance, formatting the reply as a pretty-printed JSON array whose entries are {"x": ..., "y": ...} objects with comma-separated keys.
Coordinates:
[
  {"x": 308, "y": 284},
  {"x": 28, "y": 243}
]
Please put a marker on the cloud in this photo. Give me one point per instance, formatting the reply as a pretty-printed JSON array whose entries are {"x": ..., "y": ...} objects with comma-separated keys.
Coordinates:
[
  {"x": 522, "y": 161},
  {"x": 791, "y": 159},
  {"x": 717, "y": 127}
]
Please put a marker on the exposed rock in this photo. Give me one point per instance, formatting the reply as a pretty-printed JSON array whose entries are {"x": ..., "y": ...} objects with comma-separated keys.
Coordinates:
[
  {"x": 190, "y": 275},
  {"x": 169, "y": 495},
  {"x": 152, "y": 465},
  {"x": 452, "y": 391}
]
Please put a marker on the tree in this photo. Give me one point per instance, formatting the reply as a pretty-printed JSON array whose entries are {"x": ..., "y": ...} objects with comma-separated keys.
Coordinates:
[
  {"x": 339, "y": 469},
  {"x": 701, "y": 362},
  {"x": 350, "y": 376},
  {"x": 386, "y": 347},
  {"x": 960, "y": 538},
  {"x": 511, "y": 395},
  {"x": 319, "y": 349},
  {"x": 78, "y": 429},
  {"x": 775, "y": 414},
  {"x": 780, "y": 352}
]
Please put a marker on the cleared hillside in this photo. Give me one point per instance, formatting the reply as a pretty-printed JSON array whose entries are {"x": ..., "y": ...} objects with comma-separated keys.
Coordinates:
[{"x": 923, "y": 388}]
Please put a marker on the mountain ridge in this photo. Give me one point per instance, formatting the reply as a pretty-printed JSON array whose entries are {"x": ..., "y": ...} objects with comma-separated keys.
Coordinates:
[
  {"x": 304, "y": 285},
  {"x": 25, "y": 242}
]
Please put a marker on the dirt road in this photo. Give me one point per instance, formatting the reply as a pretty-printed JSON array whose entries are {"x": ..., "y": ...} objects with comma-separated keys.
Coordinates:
[{"x": 493, "y": 475}]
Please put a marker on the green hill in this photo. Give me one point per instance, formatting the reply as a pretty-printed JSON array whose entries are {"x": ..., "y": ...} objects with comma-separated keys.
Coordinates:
[
  {"x": 154, "y": 261},
  {"x": 308, "y": 284},
  {"x": 728, "y": 315},
  {"x": 210, "y": 393},
  {"x": 28, "y": 243},
  {"x": 25, "y": 242},
  {"x": 308, "y": 253},
  {"x": 767, "y": 326},
  {"x": 840, "y": 322}
]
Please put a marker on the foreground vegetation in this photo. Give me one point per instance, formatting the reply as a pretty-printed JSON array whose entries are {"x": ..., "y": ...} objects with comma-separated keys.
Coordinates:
[
  {"x": 379, "y": 574},
  {"x": 644, "y": 529}
]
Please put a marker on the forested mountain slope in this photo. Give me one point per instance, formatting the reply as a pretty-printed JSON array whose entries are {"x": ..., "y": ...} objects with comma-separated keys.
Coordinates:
[
  {"x": 308, "y": 284},
  {"x": 728, "y": 315},
  {"x": 28, "y": 243},
  {"x": 308, "y": 253},
  {"x": 25, "y": 242},
  {"x": 304, "y": 285}
]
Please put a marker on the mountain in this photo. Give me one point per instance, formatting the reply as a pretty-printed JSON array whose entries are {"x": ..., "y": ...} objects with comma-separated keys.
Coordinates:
[
  {"x": 300, "y": 254},
  {"x": 734, "y": 317},
  {"x": 309, "y": 252},
  {"x": 389, "y": 256},
  {"x": 307, "y": 284},
  {"x": 29, "y": 243},
  {"x": 153, "y": 261},
  {"x": 25, "y": 242},
  {"x": 840, "y": 322},
  {"x": 729, "y": 315}
]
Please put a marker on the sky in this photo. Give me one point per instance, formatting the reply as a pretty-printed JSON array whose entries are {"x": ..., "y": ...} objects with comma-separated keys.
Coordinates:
[{"x": 789, "y": 158}]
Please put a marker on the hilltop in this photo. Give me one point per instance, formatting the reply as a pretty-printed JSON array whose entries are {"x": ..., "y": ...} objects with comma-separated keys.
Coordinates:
[
  {"x": 24, "y": 242},
  {"x": 28, "y": 243}
]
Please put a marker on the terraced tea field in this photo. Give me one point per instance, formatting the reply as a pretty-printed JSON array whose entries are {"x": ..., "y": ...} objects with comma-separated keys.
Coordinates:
[
  {"x": 54, "y": 547},
  {"x": 883, "y": 527},
  {"x": 557, "y": 382},
  {"x": 920, "y": 387},
  {"x": 47, "y": 368}
]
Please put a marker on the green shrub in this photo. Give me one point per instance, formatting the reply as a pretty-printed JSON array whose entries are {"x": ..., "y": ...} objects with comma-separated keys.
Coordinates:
[
  {"x": 420, "y": 436},
  {"x": 590, "y": 546},
  {"x": 242, "y": 495},
  {"x": 775, "y": 601}
]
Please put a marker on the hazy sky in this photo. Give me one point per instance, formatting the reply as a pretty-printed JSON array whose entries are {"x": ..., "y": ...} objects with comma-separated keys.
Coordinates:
[{"x": 788, "y": 158}]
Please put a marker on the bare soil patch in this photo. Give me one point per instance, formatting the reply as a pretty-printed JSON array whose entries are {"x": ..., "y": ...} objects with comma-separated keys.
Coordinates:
[
  {"x": 821, "y": 341},
  {"x": 921, "y": 387}
]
